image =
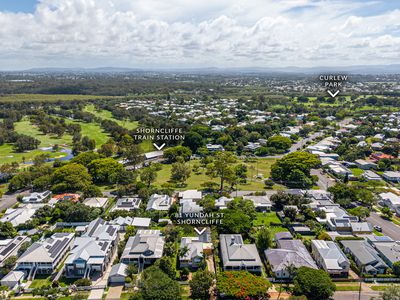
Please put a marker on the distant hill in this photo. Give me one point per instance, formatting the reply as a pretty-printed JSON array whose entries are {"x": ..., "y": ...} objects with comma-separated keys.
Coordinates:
[{"x": 361, "y": 69}]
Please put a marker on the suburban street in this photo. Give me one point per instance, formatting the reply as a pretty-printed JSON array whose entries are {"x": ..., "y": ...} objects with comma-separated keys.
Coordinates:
[
  {"x": 7, "y": 201},
  {"x": 354, "y": 295},
  {"x": 324, "y": 180},
  {"x": 299, "y": 145},
  {"x": 388, "y": 228}
]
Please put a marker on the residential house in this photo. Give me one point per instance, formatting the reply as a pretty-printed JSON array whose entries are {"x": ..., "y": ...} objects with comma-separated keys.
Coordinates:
[
  {"x": 388, "y": 251},
  {"x": 127, "y": 203},
  {"x": 391, "y": 200},
  {"x": 261, "y": 203},
  {"x": 96, "y": 202},
  {"x": 193, "y": 252},
  {"x": 222, "y": 202},
  {"x": 43, "y": 257},
  {"x": 391, "y": 176},
  {"x": 159, "y": 202},
  {"x": 36, "y": 197},
  {"x": 365, "y": 256},
  {"x": 143, "y": 248},
  {"x": 365, "y": 164},
  {"x": 194, "y": 195},
  {"x": 290, "y": 253},
  {"x": 189, "y": 207},
  {"x": 13, "y": 279},
  {"x": 141, "y": 223},
  {"x": 371, "y": 176},
  {"x": 330, "y": 257},
  {"x": 237, "y": 256},
  {"x": 92, "y": 252},
  {"x": 118, "y": 273},
  {"x": 21, "y": 214},
  {"x": 361, "y": 228},
  {"x": 88, "y": 257},
  {"x": 10, "y": 247}
]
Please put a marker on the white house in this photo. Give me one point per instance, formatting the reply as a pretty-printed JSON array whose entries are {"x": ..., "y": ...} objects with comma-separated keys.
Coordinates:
[
  {"x": 36, "y": 197},
  {"x": 96, "y": 202},
  {"x": 13, "y": 279},
  {"x": 391, "y": 176},
  {"x": 329, "y": 257}
]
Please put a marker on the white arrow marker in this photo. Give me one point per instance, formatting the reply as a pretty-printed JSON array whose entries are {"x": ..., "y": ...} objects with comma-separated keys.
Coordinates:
[
  {"x": 333, "y": 95},
  {"x": 158, "y": 147},
  {"x": 198, "y": 231}
]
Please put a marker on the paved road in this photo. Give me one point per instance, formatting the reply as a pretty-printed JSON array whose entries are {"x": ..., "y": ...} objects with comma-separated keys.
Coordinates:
[
  {"x": 324, "y": 180},
  {"x": 9, "y": 200},
  {"x": 388, "y": 228},
  {"x": 299, "y": 145},
  {"x": 354, "y": 295}
]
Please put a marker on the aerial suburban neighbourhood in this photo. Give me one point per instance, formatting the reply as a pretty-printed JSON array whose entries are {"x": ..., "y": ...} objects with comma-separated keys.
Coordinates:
[{"x": 199, "y": 150}]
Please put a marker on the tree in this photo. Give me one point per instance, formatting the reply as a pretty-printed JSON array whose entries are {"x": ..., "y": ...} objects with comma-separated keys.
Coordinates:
[
  {"x": 71, "y": 178},
  {"x": 396, "y": 268},
  {"x": 20, "y": 181},
  {"x": 180, "y": 172},
  {"x": 290, "y": 212},
  {"x": 235, "y": 221},
  {"x": 171, "y": 154},
  {"x": 221, "y": 167},
  {"x": 200, "y": 285},
  {"x": 360, "y": 211},
  {"x": 264, "y": 238},
  {"x": 131, "y": 270},
  {"x": 314, "y": 284},
  {"x": 104, "y": 169},
  {"x": 193, "y": 140},
  {"x": 242, "y": 285},
  {"x": 25, "y": 142},
  {"x": 9, "y": 263},
  {"x": 294, "y": 168},
  {"x": 92, "y": 191},
  {"x": 148, "y": 175},
  {"x": 156, "y": 285},
  {"x": 387, "y": 212},
  {"x": 392, "y": 292},
  {"x": 167, "y": 266},
  {"x": 85, "y": 158},
  {"x": 279, "y": 142},
  {"x": 83, "y": 282},
  {"x": 133, "y": 154},
  {"x": 7, "y": 230}
]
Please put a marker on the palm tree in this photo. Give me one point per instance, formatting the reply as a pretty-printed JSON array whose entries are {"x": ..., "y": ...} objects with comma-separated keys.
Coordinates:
[{"x": 183, "y": 251}]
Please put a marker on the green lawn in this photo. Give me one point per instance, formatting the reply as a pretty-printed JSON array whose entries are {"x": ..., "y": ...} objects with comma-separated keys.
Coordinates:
[
  {"x": 8, "y": 155},
  {"x": 261, "y": 166},
  {"x": 26, "y": 127},
  {"x": 379, "y": 287},
  {"x": 265, "y": 219},
  {"x": 107, "y": 115},
  {"x": 347, "y": 287},
  {"x": 39, "y": 282},
  {"x": 357, "y": 171},
  {"x": 93, "y": 131}
]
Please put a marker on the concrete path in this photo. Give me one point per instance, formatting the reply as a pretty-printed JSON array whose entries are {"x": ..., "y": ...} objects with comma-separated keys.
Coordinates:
[{"x": 114, "y": 292}]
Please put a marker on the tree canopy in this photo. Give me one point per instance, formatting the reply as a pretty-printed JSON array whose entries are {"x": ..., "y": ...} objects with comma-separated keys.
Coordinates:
[{"x": 314, "y": 284}]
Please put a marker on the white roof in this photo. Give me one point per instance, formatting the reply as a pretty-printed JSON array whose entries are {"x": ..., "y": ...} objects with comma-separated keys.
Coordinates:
[
  {"x": 141, "y": 222},
  {"x": 95, "y": 202},
  {"x": 13, "y": 276},
  {"x": 393, "y": 198},
  {"x": 190, "y": 194}
]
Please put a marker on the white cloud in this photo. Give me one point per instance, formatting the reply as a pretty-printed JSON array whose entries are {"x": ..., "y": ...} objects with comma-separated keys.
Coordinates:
[{"x": 157, "y": 33}]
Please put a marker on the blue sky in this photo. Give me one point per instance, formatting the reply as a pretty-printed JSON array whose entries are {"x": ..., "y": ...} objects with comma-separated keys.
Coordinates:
[
  {"x": 193, "y": 33},
  {"x": 25, "y": 6}
]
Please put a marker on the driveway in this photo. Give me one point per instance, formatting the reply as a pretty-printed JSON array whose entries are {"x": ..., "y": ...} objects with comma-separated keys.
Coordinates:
[
  {"x": 388, "y": 228},
  {"x": 114, "y": 292}
]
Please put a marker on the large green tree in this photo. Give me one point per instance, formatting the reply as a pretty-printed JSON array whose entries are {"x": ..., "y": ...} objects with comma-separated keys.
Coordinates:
[
  {"x": 71, "y": 178},
  {"x": 294, "y": 169},
  {"x": 200, "y": 285},
  {"x": 103, "y": 170},
  {"x": 314, "y": 284},
  {"x": 222, "y": 167},
  {"x": 279, "y": 142},
  {"x": 156, "y": 285}
]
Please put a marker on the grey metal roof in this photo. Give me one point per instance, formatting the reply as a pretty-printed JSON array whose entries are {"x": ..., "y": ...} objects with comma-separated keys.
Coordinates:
[
  {"x": 364, "y": 253},
  {"x": 146, "y": 243},
  {"x": 235, "y": 253}
]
